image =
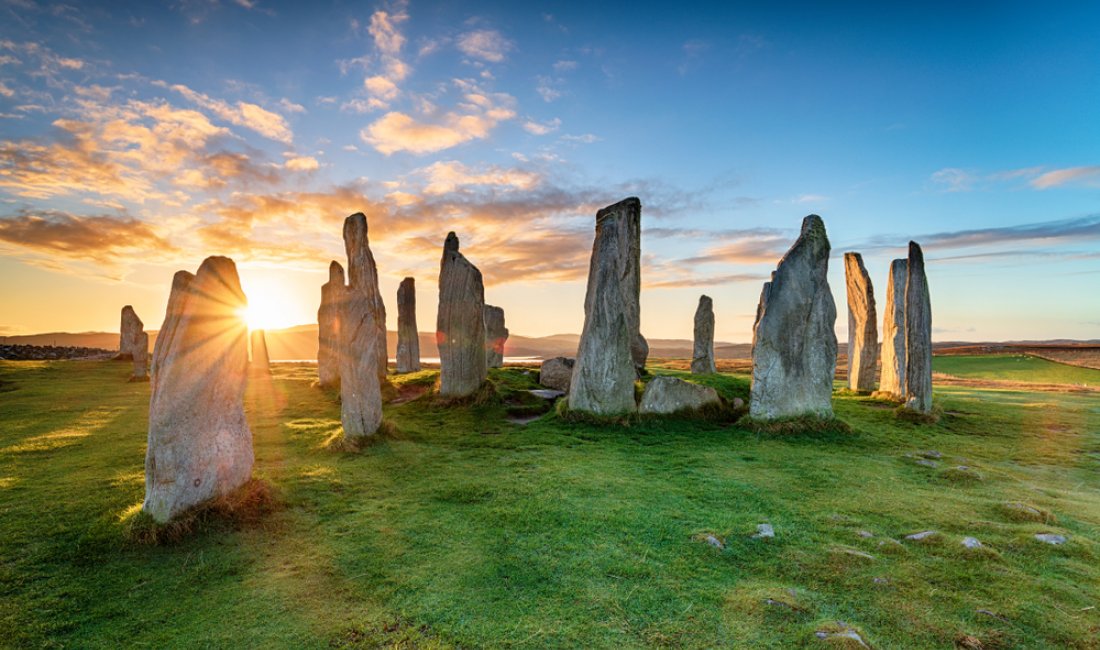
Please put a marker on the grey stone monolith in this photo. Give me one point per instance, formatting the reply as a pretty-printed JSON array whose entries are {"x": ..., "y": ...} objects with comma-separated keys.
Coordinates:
[
  {"x": 918, "y": 335},
  {"x": 794, "y": 345},
  {"x": 862, "y": 325},
  {"x": 333, "y": 293},
  {"x": 260, "y": 362},
  {"x": 496, "y": 334},
  {"x": 199, "y": 444},
  {"x": 557, "y": 373},
  {"x": 702, "y": 357},
  {"x": 892, "y": 382},
  {"x": 607, "y": 360},
  {"x": 140, "y": 353},
  {"x": 408, "y": 339},
  {"x": 666, "y": 395},
  {"x": 129, "y": 336},
  {"x": 362, "y": 337},
  {"x": 460, "y": 324}
]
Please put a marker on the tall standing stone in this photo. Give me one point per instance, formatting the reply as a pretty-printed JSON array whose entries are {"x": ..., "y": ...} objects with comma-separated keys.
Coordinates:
[
  {"x": 199, "y": 444},
  {"x": 362, "y": 337},
  {"x": 794, "y": 345},
  {"x": 460, "y": 324},
  {"x": 496, "y": 334},
  {"x": 702, "y": 358},
  {"x": 129, "y": 338},
  {"x": 893, "y": 332},
  {"x": 141, "y": 358},
  {"x": 333, "y": 293},
  {"x": 606, "y": 365},
  {"x": 862, "y": 325},
  {"x": 408, "y": 338},
  {"x": 918, "y": 335},
  {"x": 261, "y": 362}
]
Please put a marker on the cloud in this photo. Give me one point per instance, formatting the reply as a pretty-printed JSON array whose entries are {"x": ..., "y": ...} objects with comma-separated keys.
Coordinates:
[
  {"x": 564, "y": 66},
  {"x": 291, "y": 107},
  {"x": 541, "y": 128},
  {"x": 383, "y": 29},
  {"x": 1049, "y": 231},
  {"x": 302, "y": 164},
  {"x": 749, "y": 246},
  {"x": 107, "y": 240},
  {"x": 586, "y": 138},
  {"x": 5, "y": 91},
  {"x": 953, "y": 179},
  {"x": 244, "y": 114},
  {"x": 449, "y": 176},
  {"x": 362, "y": 105},
  {"x": 485, "y": 44},
  {"x": 380, "y": 88},
  {"x": 480, "y": 114},
  {"x": 1088, "y": 176},
  {"x": 547, "y": 88}
]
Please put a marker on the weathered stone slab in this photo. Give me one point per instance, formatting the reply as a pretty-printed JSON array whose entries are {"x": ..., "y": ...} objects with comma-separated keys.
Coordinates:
[
  {"x": 140, "y": 353},
  {"x": 606, "y": 365},
  {"x": 794, "y": 345},
  {"x": 261, "y": 362},
  {"x": 893, "y": 332},
  {"x": 408, "y": 339},
  {"x": 460, "y": 324},
  {"x": 496, "y": 334},
  {"x": 702, "y": 358},
  {"x": 672, "y": 395},
  {"x": 556, "y": 373},
  {"x": 199, "y": 444},
  {"x": 862, "y": 325},
  {"x": 129, "y": 338},
  {"x": 362, "y": 337},
  {"x": 328, "y": 327},
  {"x": 918, "y": 335}
]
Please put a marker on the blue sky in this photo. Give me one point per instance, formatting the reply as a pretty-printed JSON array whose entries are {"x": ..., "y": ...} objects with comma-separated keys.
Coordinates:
[{"x": 137, "y": 138}]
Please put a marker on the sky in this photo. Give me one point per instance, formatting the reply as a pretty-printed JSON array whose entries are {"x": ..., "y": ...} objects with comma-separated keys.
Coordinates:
[{"x": 137, "y": 138}]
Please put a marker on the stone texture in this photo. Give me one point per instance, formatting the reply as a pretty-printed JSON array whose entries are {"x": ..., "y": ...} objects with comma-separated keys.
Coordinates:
[
  {"x": 140, "y": 354},
  {"x": 670, "y": 395},
  {"x": 460, "y": 324},
  {"x": 199, "y": 444},
  {"x": 328, "y": 327},
  {"x": 893, "y": 332},
  {"x": 130, "y": 330},
  {"x": 862, "y": 325},
  {"x": 261, "y": 362},
  {"x": 702, "y": 357},
  {"x": 918, "y": 335},
  {"x": 794, "y": 345},
  {"x": 496, "y": 334},
  {"x": 408, "y": 338},
  {"x": 556, "y": 373},
  {"x": 362, "y": 347},
  {"x": 610, "y": 345}
]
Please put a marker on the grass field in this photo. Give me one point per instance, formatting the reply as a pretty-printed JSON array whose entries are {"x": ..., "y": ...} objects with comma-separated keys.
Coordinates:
[
  {"x": 1015, "y": 367},
  {"x": 463, "y": 530}
]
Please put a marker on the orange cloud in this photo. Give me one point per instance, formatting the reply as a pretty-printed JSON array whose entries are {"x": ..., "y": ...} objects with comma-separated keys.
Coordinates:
[
  {"x": 107, "y": 240},
  {"x": 395, "y": 131},
  {"x": 250, "y": 116}
]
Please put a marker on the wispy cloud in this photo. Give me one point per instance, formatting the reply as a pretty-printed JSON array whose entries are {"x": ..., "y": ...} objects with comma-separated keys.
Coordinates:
[
  {"x": 1089, "y": 176},
  {"x": 106, "y": 240},
  {"x": 541, "y": 128},
  {"x": 244, "y": 114},
  {"x": 484, "y": 44}
]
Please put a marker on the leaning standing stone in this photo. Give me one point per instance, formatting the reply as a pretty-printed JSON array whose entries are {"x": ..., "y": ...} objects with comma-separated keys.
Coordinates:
[
  {"x": 918, "y": 335},
  {"x": 496, "y": 334},
  {"x": 362, "y": 337},
  {"x": 794, "y": 345},
  {"x": 605, "y": 370},
  {"x": 702, "y": 359},
  {"x": 893, "y": 332},
  {"x": 408, "y": 338},
  {"x": 862, "y": 325},
  {"x": 199, "y": 444},
  {"x": 130, "y": 331},
  {"x": 261, "y": 362},
  {"x": 460, "y": 324},
  {"x": 328, "y": 327}
]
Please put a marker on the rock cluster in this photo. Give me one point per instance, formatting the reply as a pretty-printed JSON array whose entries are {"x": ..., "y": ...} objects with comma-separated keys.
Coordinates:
[
  {"x": 918, "y": 335},
  {"x": 557, "y": 373},
  {"x": 199, "y": 444},
  {"x": 862, "y": 325},
  {"x": 702, "y": 358},
  {"x": 362, "y": 348},
  {"x": 794, "y": 345},
  {"x": 611, "y": 346},
  {"x": 328, "y": 327},
  {"x": 496, "y": 334},
  {"x": 893, "y": 332},
  {"x": 19, "y": 352},
  {"x": 408, "y": 339},
  {"x": 460, "y": 324}
]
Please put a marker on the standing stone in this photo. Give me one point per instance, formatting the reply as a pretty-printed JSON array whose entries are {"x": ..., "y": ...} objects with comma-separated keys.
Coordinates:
[
  {"x": 261, "y": 362},
  {"x": 460, "y": 324},
  {"x": 794, "y": 345},
  {"x": 607, "y": 363},
  {"x": 199, "y": 444},
  {"x": 333, "y": 293},
  {"x": 862, "y": 325},
  {"x": 702, "y": 358},
  {"x": 408, "y": 338},
  {"x": 918, "y": 335},
  {"x": 496, "y": 334},
  {"x": 893, "y": 332},
  {"x": 141, "y": 358},
  {"x": 129, "y": 338},
  {"x": 557, "y": 373},
  {"x": 362, "y": 337}
]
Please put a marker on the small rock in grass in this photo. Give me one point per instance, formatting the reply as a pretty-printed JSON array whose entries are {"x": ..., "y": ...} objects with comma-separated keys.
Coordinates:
[
  {"x": 931, "y": 453},
  {"x": 841, "y": 630},
  {"x": 879, "y": 580},
  {"x": 764, "y": 531},
  {"x": 854, "y": 553},
  {"x": 927, "y": 463},
  {"x": 714, "y": 541},
  {"x": 865, "y": 534},
  {"x": 1051, "y": 538},
  {"x": 971, "y": 542},
  {"x": 924, "y": 534},
  {"x": 547, "y": 393},
  {"x": 738, "y": 403}
]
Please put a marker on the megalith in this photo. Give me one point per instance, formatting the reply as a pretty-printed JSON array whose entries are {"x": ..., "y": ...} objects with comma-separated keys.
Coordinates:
[
  {"x": 261, "y": 362},
  {"x": 557, "y": 373},
  {"x": 862, "y": 325},
  {"x": 607, "y": 361},
  {"x": 140, "y": 352},
  {"x": 893, "y": 332},
  {"x": 362, "y": 328},
  {"x": 496, "y": 334},
  {"x": 130, "y": 330},
  {"x": 794, "y": 344},
  {"x": 328, "y": 327},
  {"x": 702, "y": 357},
  {"x": 918, "y": 335},
  {"x": 199, "y": 443},
  {"x": 408, "y": 338},
  {"x": 667, "y": 395},
  {"x": 460, "y": 324}
]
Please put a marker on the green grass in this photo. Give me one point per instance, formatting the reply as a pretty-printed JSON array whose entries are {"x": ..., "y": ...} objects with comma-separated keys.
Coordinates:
[
  {"x": 1015, "y": 367},
  {"x": 461, "y": 529}
]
